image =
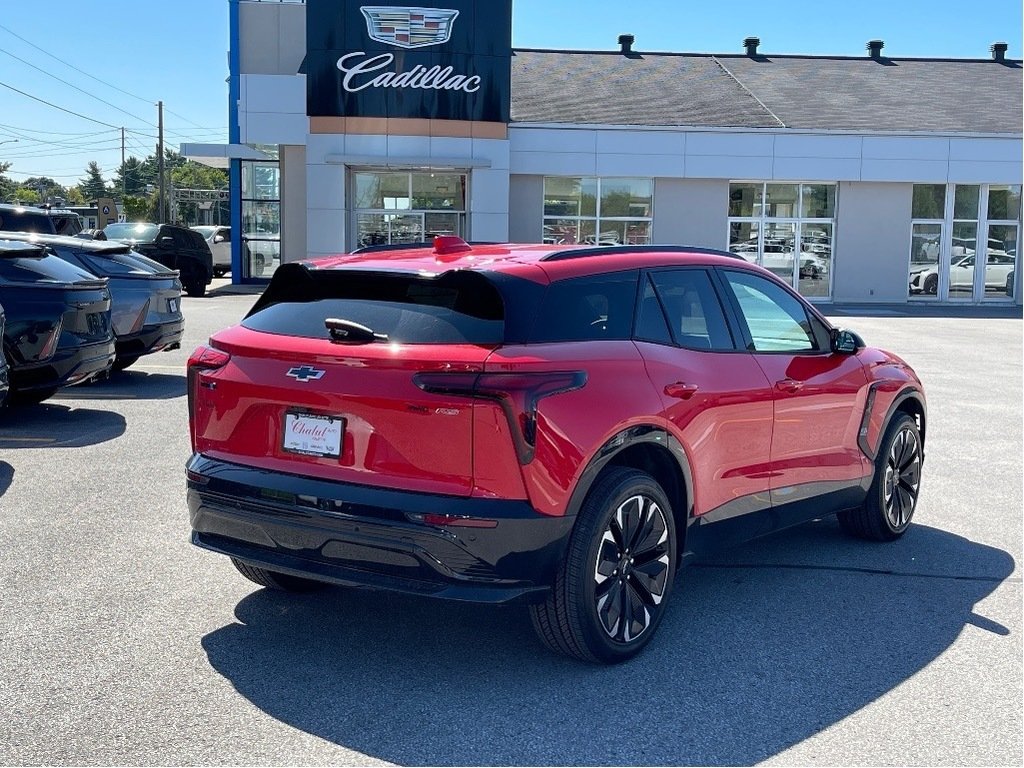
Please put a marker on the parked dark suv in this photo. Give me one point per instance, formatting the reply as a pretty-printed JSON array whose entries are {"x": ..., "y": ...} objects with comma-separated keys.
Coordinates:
[
  {"x": 560, "y": 426},
  {"x": 45, "y": 221},
  {"x": 175, "y": 247},
  {"x": 57, "y": 329}
]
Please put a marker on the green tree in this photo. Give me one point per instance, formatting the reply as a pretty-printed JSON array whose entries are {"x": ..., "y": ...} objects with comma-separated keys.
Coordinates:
[
  {"x": 93, "y": 185},
  {"x": 135, "y": 208},
  {"x": 47, "y": 188},
  {"x": 26, "y": 195},
  {"x": 132, "y": 177},
  {"x": 7, "y": 185},
  {"x": 75, "y": 196}
]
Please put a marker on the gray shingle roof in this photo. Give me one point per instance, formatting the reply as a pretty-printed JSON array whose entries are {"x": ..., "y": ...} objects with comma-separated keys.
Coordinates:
[{"x": 767, "y": 91}]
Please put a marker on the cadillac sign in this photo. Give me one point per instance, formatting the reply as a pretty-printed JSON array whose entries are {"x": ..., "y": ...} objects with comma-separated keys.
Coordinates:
[{"x": 451, "y": 63}]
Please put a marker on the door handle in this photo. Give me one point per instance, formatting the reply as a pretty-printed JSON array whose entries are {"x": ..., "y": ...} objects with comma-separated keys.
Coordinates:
[
  {"x": 789, "y": 385},
  {"x": 681, "y": 390}
]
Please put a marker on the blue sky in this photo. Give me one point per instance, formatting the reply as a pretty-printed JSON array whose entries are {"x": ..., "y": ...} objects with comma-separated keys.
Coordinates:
[{"x": 131, "y": 53}]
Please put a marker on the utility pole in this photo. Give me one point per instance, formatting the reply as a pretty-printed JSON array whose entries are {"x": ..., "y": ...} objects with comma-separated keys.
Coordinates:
[
  {"x": 122, "y": 165},
  {"x": 160, "y": 153}
]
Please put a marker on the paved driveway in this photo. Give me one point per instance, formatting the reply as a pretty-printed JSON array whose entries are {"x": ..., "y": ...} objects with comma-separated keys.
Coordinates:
[{"x": 121, "y": 643}]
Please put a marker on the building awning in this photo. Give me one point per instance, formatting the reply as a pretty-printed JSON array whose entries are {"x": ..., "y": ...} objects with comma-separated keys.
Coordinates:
[{"x": 219, "y": 155}]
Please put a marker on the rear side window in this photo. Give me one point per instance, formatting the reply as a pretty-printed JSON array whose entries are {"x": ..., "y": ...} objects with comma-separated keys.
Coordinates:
[
  {"x": 48, "y": 269},
  {"x": 458, "y": 308},
  {"x": 692, "y": 308},
  {"x": 597, "y": 307}
]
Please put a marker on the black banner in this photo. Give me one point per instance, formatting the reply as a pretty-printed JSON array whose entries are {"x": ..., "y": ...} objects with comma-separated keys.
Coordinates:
[{"x": 385, "y": 59}]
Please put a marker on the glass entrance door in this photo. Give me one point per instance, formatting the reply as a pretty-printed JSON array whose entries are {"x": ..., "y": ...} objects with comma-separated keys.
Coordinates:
[{"x": 408, "y": 207}]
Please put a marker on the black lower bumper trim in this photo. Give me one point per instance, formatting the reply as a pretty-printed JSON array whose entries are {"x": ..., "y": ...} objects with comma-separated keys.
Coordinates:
[
  {"x": 152, "y": 338},
  {"x": 365, "y": 536}
]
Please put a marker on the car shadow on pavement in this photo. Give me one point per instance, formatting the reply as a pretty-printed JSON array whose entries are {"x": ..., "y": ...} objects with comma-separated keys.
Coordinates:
[
  {"x": 6, "y": 477},
  {"x": 756, "y": 653},
  {"x": 51, "y": 425},
  {"x": 129, "y": 385}
]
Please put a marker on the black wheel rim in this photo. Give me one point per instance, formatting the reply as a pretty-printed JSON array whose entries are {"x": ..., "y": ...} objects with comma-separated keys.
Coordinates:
[
  {"x": 902, "y": 478},
  {"x": 632, "y": 569}
]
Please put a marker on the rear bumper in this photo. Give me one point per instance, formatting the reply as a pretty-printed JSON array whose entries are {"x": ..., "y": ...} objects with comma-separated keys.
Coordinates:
[
  {"x": 152, "y": 338},
  {"x": 363, "y": 536},
  {"x": 69, "y": 365}
]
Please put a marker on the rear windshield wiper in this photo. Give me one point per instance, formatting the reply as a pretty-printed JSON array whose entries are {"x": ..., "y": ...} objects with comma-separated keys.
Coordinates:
[{"x": 347, "y": 332}]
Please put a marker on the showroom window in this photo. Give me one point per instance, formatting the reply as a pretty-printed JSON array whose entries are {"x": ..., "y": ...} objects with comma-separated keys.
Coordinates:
[
  {"x": 261, "y": 217},
  {"x": 770, "y": 223},
  {"x": 597, "y": 211},
  {"x": 408, "y": 207},
  {"x": 948, "y": 223}
]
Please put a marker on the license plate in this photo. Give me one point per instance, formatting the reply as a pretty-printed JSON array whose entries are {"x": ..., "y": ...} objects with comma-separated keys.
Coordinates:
[
  {"x": 313, "y": 435},
  {"x": 172, "y": 305}
]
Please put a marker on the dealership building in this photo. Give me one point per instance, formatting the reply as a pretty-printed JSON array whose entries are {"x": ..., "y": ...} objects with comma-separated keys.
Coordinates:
[{"x": 860, "y": 179}]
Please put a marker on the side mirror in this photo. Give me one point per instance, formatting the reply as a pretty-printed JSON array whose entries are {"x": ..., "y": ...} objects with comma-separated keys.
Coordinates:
[
  {"x": 218, "y": 239},
  {"x": 846, "y": 342}
]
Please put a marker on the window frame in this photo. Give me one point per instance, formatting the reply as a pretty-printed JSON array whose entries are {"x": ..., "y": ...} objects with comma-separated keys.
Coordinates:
[
  {"x": 647, "y": 276},
  {"x": 820, "y": 329},
  {"x": 762, "y": 220},
  {"x": 597, "y": 218}
]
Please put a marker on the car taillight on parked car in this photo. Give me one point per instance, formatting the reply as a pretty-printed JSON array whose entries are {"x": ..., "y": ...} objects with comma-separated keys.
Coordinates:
[
  {"x": 203, "y": 359},
  {"x": 51, "y": 343},
  {"x": 517, "y": 393}
]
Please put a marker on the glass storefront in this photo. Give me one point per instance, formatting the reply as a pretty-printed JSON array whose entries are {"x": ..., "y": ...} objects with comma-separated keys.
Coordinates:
[
  {"x": 261, "y": 217},
  {"x": 407, "y": 207},
  {"x": 786, "y": 228},
  {"x": 597, "y": 211},
  {"x": 948, "y": 225}
]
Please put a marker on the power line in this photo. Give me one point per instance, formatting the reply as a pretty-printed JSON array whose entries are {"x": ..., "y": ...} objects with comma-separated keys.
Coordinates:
[
  {"x": 72, "y": 85},
  {"x": 62, "y": 109},
  {"x": 51, "y": 133},
  {"x": 92, "y": 77}
]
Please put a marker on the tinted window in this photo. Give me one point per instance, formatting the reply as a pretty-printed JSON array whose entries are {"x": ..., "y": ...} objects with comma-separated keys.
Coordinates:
[
  {"x": 694, "y": 312},
  {"x": 588, "y": 308},
  {"x": 67, "y": 224},
  {"x": 651, "y": 324},
  {"x": 461, "y": 308},
  {"x": 25, "y": 221},
  {"x": 144, "y": 233},
  {"x": 48, "y": 269},
  {"x": 777, "y": 321}
]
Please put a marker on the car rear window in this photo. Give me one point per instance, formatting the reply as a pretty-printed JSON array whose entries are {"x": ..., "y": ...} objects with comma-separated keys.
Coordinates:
[
  {"x": 456, "y": 308},
  {"x": 597, "y": 307},
  {"x": 144, "y": 233},
  {"x": 48, "y": 269}
]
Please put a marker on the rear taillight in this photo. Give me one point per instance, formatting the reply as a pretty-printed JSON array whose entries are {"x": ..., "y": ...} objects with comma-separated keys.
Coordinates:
[
  {"x": 518, "y": 394},
  {"x": 51, "y": 343},
  {"x": 203, "y": 359}
]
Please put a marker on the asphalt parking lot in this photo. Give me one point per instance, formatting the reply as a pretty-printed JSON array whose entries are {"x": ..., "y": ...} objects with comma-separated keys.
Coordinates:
[{"x": 120, "y": 643}]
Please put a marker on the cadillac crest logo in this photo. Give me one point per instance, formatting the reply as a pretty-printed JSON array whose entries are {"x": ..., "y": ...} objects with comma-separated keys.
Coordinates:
[{"x": 409, "y": 27}]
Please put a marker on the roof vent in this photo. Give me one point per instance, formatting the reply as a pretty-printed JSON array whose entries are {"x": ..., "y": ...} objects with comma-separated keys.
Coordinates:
[
  {"x": 626, "y": 41},
  {"x": 875, "y": 48},
  {"x": 999, "y": 51},
  {"x": 751, "y": 44}
]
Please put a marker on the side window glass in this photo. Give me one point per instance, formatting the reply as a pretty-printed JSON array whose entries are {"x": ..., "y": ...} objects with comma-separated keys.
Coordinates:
[
  {"x": 226, "y": 234},
  {"x": 588, "y": 308},
  {"x": 777, "y": 321},
  {"x": 694, "y": 312},
  {"x": 651, "y": 324}
]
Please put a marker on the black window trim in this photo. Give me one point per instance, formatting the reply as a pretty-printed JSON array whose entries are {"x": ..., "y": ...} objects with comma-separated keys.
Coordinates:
[
  {"x": 730, "y": 321},
  {"x": 820, "y": 329}
]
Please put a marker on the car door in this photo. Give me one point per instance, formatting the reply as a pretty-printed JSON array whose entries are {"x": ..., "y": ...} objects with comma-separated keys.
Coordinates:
[
  {"x": 718, "y": 402},
  {"x": 819, "y": 395}
]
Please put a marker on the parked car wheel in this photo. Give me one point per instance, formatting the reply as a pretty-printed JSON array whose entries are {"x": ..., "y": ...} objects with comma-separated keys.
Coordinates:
[
  {"x": 892, "y": 498},
  {"x": 611, "y": 591},
  {"x": 220, "y": 271},
  {"x": 931, "y": 284},
  {"x": 30, "y": 396},
  {"x": 195, "y": 287},
  {"x": 274, "y": 580}
]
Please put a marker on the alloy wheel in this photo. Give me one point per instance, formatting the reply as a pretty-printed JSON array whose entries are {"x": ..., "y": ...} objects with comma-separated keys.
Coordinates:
[
  {"x": 632, "y": 569},
  {"x": 902, "y": 478}
]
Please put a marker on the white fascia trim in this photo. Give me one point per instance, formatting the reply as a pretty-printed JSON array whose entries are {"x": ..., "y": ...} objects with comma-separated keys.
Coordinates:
[
  {"x": 767, "y": 130},
  {"x": 422, "y": 161}
]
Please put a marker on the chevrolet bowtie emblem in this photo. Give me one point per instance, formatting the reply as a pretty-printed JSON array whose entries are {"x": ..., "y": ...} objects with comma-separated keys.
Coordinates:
[{"x": 306, "y": 373}]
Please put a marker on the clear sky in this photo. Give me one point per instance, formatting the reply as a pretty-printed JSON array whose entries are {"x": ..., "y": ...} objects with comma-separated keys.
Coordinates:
[{"x": 121, "y": 56}]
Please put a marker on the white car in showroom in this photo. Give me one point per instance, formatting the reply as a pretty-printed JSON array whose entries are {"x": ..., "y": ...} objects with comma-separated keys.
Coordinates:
[{"x": 998, "y": 274}]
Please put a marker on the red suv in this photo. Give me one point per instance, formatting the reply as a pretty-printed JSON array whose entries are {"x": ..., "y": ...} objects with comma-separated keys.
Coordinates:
[{"x": 558, "y": 426}]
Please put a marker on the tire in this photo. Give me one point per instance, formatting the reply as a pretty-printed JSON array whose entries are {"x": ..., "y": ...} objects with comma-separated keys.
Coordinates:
[
  {"x": 220, "y": 271},
  {"x": 195, "y": 287},
  {"x": 892, "y": 498},
  {"x": 282, "y": 582},
  {"x": 1009, "y": 285},
  {"x": 30, "y": 397},
  {"x": 259, "y": 265},
  {"x": 931, "y": 284},
  {"x": 582, "y": 616}
]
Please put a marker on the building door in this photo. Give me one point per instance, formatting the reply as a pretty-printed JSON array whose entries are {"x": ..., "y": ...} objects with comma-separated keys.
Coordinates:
[{"x": 407, "y": 207}]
